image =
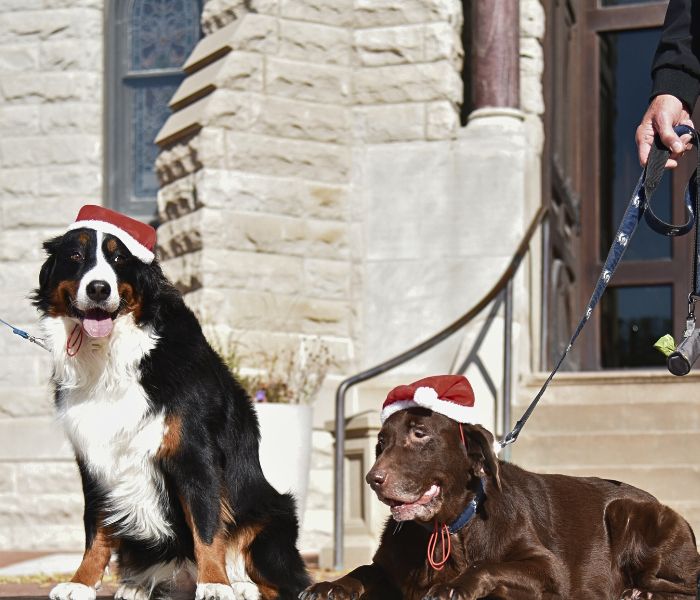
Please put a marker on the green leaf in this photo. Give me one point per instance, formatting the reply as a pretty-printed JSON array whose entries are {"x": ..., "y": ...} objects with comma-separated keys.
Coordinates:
[{"x": 665, "y": 344}]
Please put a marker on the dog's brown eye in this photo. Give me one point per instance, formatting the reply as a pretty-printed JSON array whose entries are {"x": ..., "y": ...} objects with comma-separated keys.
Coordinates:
[
  {"x": 76, "y": 257},
  {"x": 119, "y": 259},
  {"x": 419, "y": 433}
]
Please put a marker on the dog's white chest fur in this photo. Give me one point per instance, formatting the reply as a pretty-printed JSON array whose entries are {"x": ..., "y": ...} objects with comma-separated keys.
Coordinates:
[{"x": 113, "y": 429}]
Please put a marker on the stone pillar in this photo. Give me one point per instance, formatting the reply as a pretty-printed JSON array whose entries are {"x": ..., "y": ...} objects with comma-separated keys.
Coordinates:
[
  {"x": 495, "y": 53},
  {"x": 365, "y": 516}
]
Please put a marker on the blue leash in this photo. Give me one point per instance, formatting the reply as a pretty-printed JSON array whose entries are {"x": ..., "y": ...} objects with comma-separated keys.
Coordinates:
[
  {"x": 638, "y": 207},
  {"x": 23, "y": 334}
]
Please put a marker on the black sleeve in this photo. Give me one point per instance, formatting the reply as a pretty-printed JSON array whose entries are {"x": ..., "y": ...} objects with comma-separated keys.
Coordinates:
[{"x": 676, "y": 66}]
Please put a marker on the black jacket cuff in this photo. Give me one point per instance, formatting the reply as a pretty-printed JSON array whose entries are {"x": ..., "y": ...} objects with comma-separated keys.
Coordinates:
[{"x": 678, "y": 83}]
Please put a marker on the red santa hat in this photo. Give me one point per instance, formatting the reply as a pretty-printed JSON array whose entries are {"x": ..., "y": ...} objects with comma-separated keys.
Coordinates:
[
  {"x": 449, "y": 395},
  {"x": 138, "y": 237}
]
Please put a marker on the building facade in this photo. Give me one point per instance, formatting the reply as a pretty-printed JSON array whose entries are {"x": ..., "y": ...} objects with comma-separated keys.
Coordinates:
[{"x": 354, "y": 171}]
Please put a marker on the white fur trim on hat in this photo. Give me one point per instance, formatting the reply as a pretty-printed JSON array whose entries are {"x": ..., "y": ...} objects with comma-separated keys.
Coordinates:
[
  {"x": 395, "y": 407},
  {"x": 135, "y": 247},
  {"x": 427, "y": 397}
]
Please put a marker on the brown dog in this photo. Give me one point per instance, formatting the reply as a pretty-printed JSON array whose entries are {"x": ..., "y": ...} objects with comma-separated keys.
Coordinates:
[{"x": 531, "y": 537}]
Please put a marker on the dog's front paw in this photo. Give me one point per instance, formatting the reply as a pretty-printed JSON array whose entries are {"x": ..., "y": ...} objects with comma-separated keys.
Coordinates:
[
  {"x": 214, "y": 591},
  {"x": 330, "y": 590},
  {"x": 72, "y": 591},
  {"x": 245, "y": 590},
  {"x": 447, "y": 592},
  {"x": 634, "y": 594},
  {"x": 130, "y": 591}
]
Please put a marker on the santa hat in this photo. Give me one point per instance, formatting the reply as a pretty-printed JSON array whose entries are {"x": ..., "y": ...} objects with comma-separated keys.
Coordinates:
[
  {"x": 449, "y": 395},
  {"x": 138, "y": 237}
]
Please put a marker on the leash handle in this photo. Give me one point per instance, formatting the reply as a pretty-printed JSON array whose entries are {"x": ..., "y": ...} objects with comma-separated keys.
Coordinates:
[{"x": 654, "y": 172}]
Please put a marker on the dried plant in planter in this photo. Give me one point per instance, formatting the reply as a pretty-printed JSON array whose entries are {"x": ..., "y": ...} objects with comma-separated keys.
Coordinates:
[{"x": 289, "y": 376}]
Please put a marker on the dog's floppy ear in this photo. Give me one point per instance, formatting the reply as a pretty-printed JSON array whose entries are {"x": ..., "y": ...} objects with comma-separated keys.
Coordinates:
[
  {"x": 39, "y": 297},
  {"x": 51, "y": 247},
  {"x": 481, "y": 453}
]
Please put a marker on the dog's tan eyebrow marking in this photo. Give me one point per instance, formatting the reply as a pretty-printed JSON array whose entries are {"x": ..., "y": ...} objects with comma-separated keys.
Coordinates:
[
  {"x": 84, "y": 238},
  {"x": 112, "y": 245}
]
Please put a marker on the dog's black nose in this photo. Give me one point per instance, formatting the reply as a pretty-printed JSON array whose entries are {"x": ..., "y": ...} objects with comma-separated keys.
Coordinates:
[
  {"x": 376, "y": 478},
  {"x": 98, "y": 290}
]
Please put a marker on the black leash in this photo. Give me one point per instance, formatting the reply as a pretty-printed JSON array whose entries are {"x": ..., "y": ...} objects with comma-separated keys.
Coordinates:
[{"x": 638, "y": 207}]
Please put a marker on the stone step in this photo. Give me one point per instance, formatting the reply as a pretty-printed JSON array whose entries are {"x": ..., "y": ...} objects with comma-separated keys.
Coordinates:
[
  {"x": 610, "y": 387},
  {"x": 668, "y": 483},
  {"x": 690, "y": 511},
  {"x": 563, "y": 450},
  {"x": 614, "y": 417},
  {"x": 641, "y": 427},
  {"x": 675, "y": 486}
]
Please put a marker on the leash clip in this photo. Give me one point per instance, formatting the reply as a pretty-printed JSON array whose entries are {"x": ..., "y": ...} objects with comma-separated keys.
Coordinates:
[{"x": 690, "y": 319}]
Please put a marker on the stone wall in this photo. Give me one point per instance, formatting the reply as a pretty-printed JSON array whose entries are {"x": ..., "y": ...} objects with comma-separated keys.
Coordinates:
[
  {"x": 51, "y": 164},
  {"x": 271, "y": 183},
  {"x": 257, "y": 204},
  {"x": 322, "y": 186},
  {"x": 328, "y": 190}
]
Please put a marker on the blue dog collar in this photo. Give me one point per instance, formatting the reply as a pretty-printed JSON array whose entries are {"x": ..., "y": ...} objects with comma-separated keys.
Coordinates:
[{"x": 469, "y": 512}]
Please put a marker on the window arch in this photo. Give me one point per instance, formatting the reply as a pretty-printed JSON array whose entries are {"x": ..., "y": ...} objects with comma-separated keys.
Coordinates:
[{"x": 148, "y": 41}]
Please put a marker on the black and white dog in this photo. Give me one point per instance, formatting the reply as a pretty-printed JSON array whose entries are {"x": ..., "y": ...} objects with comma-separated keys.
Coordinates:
[{"x": 165, "y": 439}]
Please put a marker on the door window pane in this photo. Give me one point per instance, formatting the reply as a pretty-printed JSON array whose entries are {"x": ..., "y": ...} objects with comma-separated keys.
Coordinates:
[
  {"x": 632, "y": 319},
  {"x": 625, "y": 59}
]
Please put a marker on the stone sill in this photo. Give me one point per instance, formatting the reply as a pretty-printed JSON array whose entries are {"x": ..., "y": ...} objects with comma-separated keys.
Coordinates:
[{"x": 611, "y": 377}]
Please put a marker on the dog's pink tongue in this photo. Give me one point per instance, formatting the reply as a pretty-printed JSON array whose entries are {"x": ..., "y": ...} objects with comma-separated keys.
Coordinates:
[
  {"x": 97, "y": 324},
  {"x": 429, "y": 495}
]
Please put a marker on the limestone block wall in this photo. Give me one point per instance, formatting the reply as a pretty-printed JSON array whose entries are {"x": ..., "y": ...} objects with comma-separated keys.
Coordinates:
[
  {"x": 256, "y": 203},
  {"x": 50, "y": 164},
  {"x": 265, "y": 225},
  {"x": 406, "y": 83}
]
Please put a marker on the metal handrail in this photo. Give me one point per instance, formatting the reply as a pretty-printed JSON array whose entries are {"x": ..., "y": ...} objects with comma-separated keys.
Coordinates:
[{"x": 389, "y": 364}]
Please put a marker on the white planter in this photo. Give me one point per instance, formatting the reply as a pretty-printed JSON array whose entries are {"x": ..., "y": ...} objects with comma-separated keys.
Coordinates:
[{"x": 285, "y": 448}]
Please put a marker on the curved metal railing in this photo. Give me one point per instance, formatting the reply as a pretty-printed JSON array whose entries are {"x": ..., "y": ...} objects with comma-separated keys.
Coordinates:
[{"x": 502, "y": 284}]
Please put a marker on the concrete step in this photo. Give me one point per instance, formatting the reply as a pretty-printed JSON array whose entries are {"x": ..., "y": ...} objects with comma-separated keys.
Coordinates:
[
  {"x": 669, "y": 484},
  {"x": 615, "y": 417},
  {"x": 690, "y": 511},
  {"x": 610, "y": 387},
  {"x": 562, "y": 450},
  {"x": 675, "y": 486}
]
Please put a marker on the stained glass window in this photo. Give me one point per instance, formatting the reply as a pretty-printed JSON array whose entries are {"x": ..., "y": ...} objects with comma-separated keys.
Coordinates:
[
  {"x": 162, "y": 33},
  {"x": 151, "y": 39}
]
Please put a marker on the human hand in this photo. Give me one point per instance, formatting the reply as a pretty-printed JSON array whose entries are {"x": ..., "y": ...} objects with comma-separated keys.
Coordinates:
[{"x": 664, "y": 112}]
